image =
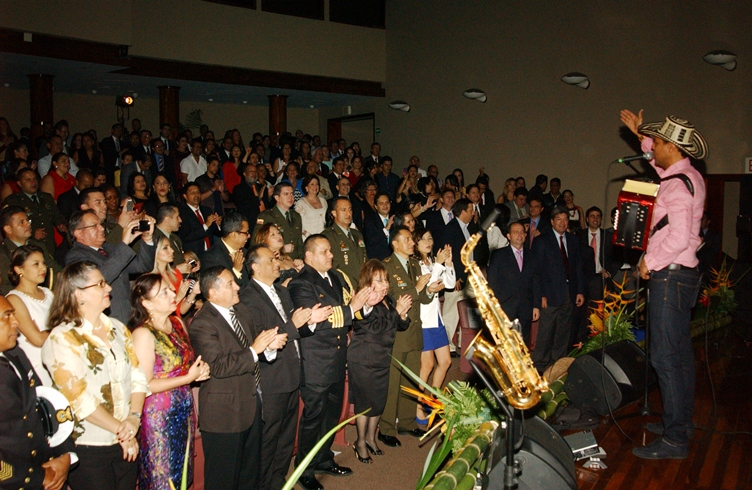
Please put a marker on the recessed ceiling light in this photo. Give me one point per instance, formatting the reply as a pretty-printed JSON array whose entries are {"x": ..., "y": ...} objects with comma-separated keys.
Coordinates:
[
  {"x": 94, "y": 92},
  {"x": 6, "y": 85},
  {"x": 211, "y": 100},
  {"x": 311, "y": 106},
  {"x": 245, "y": 102},
  {"x": 135, "y": 94}
]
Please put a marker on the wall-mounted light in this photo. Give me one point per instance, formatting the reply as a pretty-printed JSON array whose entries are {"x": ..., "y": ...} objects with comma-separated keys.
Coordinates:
[
  {"x": 724, "y": 59},
  {"x": 576, "y": 78},
  {"x": 400, "y": 105},
  {"x": 123, "y": 101},
  {"x": 475, "y": 94}
]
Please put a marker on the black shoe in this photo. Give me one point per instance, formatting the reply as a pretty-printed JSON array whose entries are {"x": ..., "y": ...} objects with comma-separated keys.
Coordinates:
[
  {"x": 367, "y": 460},
  {"x": 657, "y": 428},
  {"x": 375, "y": 452},
  {"x": 335, "y": 470},
  {"x": 310, "y": 483},
  {"x": 415, "y": 432},
  {"x": 389, "y": 440},
  {"x": 454, "y": 354},
  {"x": 661, "y": 449}
]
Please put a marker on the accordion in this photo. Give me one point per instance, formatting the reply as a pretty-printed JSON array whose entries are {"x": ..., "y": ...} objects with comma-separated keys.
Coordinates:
[{"x": 634, "y": 214}]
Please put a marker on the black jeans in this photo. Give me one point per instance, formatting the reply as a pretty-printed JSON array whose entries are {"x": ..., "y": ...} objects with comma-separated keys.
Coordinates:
[{"x": 672, "y": 296}]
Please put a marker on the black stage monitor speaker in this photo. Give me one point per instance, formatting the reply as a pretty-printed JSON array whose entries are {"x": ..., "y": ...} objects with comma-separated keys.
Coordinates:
[
  {"x": 588, "y": 385},
  {"x": 544, "y": 459}
]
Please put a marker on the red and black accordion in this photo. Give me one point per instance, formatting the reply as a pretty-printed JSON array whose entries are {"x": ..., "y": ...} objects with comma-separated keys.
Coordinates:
[{"x": 634, "y": 213}]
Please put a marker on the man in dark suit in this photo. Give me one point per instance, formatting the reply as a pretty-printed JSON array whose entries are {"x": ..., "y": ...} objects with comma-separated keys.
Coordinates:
[
  {"x": 40, "y": 208},
  {"x": 374, "y": 156},
  {"x": 168, "y": 224},
  {"x": 338, "y": 167},
  {"x": 26, "y": 458},
  {"x": 229, "y": 402},
  {"x": 480, "y": 212},
  {"x": 229, "y": 251},
  {"x": 68, "y": 201},
  {"x": 271, "y": 306},
  {"x": 16, "y": 231},
  {"x": 141, "y": 164},
  {"x": 387, "y": 180},
  {"x": 513, "y": 277},
  {"x": 405, "y": 277},
  {"x": 376, "y": 228},
  {"x": 247, "y": 195},
  {"x": 198, "y": 224},
  {"x": 162, "y": 162},
  {"x": 348, "y": 246},
  {"x": 709, "y": 248},
  {"x": 437, "y": 221},
  {"x": 456, "y": 233},
  {"x": 562, "y": 288},
  {"x": 144, "y": 148},
  {"x": 116, "y": 262},
  {"x": 112, "y": 148},
  {"x": 324, "y": 354},
  {"x": 535, "y": 224}
]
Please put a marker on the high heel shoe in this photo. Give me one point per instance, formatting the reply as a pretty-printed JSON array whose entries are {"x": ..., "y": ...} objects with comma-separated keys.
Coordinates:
[
  {"x": 367, "y": 460},
  {"x": 375, "y": 452}
]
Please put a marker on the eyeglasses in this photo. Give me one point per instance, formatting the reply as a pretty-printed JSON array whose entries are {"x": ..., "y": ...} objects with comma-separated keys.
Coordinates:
[
  {"x": 246, "y": 233},
  {"x": 102, "y": 284},
  {"x": 89, "y": 226}
]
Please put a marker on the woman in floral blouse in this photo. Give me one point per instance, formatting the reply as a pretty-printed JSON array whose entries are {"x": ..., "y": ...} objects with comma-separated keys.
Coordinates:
[{"x": 91, "y": 359}]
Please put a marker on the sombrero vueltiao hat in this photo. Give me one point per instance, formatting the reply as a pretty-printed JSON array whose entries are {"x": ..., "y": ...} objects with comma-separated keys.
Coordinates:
[{"x": 679, "y": 132}]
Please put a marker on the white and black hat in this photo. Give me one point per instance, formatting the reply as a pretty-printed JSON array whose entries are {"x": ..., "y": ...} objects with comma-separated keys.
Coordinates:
[
  {"x": 56, "y": 414},
  {"x": 680, "y": 132}
]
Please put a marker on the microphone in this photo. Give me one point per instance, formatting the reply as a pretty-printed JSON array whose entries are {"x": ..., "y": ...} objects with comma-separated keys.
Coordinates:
[{"x": 648, "y": 155}]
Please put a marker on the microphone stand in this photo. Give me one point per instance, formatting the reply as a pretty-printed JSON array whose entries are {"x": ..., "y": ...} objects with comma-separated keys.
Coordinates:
[{"x": 510, "y": 474}]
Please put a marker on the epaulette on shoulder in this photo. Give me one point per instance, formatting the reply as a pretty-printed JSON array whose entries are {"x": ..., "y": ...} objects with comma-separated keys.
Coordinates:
[{"x": 388, "y": 259}]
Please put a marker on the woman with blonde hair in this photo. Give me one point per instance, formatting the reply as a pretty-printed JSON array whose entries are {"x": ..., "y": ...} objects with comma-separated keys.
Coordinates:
[
  {"x": 187, "y": 290},
  {"x": 507, "y": 194},
  {"x": 91, "y": 359}
]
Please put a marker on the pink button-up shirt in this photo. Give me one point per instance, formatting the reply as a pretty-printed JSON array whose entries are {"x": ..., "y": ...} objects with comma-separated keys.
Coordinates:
[{"x": 678, "y": 241}]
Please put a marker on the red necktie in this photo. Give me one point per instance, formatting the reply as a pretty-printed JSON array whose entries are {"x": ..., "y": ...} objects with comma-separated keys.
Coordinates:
[
  {"x": 594, "y": 246},
  {"x": 564, "y": 256},
  {"x": 207, "y": 243}
]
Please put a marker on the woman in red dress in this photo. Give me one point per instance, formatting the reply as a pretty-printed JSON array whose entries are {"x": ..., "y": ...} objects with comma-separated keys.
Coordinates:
[{"x": 58, "y": 180}]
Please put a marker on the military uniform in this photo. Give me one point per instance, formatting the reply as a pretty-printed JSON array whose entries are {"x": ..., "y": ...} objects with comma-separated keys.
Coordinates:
[
  {"x": 349, "y": 252},
  {"x": 408, "y": 345},
  {"x": 23, "y": 445},
  {"x": 291, "y": 233},
  {"x": 43, "y": 214}
]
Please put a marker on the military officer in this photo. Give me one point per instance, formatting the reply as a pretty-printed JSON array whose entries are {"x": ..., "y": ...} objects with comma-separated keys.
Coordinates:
[
  {"x": 40, "y": 208},
  {"x": 286, "y": 219},
  {"x": 26, "y": 458},
  {"x": 347, "y": 243},
  {"x": 405, "y": 278}
]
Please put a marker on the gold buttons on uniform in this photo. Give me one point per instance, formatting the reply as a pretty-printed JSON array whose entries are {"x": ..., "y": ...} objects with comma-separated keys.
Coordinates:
[
  {"x": 33, "y": 452},
  {"x": 337, "y": 347},
  {"x": 31, "y": 470},
  {"x": 30, "y": 435},
  {"x": 27, "y": 480}
]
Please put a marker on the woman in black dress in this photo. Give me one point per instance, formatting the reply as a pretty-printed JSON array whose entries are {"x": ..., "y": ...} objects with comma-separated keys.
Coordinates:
[{"x": 369, "y": 354}]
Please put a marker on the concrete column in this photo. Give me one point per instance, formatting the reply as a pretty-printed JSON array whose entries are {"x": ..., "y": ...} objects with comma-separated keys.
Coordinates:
[
  {"x": 277, "y": 114},
  {"x": 169, "y": 108},
  {"x": 40, "y": 105}
]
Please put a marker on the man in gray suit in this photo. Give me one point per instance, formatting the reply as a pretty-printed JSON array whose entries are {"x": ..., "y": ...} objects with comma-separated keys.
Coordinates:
[
  {"x": 518, "y": 207},
  {"x": 116, "y": 262}
]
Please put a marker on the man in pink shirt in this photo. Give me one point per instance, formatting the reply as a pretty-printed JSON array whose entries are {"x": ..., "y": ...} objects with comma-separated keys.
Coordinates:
[{"x": 670, "y": 262}]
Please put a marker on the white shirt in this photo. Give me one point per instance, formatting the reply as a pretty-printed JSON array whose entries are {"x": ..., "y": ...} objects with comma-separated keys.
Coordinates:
[
  {"x": 430, "y": 313},
  {"x": 559, "y": 240},
  {"x": 44, "y": 165},
  {"x": 270, "y": 354},
  {"x": 192, "y": 168},
  {"x": 272, "y": 293},
  {"x": 445, "y": 214}
]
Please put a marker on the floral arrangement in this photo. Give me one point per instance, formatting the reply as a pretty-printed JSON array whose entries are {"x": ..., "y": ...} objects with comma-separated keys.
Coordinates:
[
  {"x": 460, "y": 409},
  {"x": 610, "y": 320},
  {"x": 719, "y": 295}
]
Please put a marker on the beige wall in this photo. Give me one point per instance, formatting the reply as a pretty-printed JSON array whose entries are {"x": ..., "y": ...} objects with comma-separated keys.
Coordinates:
[
  {"x": 85, "y": 112},
  {"x": 637, "y": 54},
  {"x": 210, "y": 33}
]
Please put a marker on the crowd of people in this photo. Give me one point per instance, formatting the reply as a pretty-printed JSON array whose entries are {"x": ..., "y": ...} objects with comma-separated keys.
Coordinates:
[{"x": 141, "y": 266}]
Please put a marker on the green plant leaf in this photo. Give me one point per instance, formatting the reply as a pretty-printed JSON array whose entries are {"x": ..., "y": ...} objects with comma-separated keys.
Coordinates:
[
  {"x": 438, "y": 394},
  {"x": 312, "y": 454}
]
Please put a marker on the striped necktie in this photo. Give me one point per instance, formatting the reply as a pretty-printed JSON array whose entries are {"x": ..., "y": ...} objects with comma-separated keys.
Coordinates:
[{"x": 238, "y": 329}]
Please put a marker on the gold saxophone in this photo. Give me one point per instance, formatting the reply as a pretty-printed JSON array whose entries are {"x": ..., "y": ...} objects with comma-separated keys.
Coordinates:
[{"x": 509, "y": 360}]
